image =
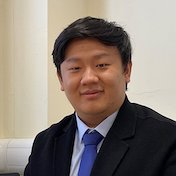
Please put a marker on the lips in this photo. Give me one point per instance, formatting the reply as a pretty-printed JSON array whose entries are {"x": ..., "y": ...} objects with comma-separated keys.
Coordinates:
[
  {"x": 87, "y": 92},
  {"x": 91, "y": 94}
]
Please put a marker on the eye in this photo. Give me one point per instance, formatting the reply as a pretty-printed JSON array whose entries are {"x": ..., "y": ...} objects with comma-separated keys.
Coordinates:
[
  {"x": 74, "y": 69},
  {"x": 102, "y": 65}
]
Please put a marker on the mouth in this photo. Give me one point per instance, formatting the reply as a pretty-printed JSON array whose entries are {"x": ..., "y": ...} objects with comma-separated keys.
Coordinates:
[{"x": 91, "y": 94}]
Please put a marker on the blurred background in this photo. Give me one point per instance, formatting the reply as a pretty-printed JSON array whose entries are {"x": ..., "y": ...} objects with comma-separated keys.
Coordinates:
[{"x": 30, "y": 96}]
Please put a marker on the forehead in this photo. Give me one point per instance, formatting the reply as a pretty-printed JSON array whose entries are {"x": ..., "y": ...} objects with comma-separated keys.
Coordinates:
[{"x": 89, "y": 46}]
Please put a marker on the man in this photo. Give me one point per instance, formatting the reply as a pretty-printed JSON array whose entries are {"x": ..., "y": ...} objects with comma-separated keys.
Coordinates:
[{"x": 93, "y": 61}]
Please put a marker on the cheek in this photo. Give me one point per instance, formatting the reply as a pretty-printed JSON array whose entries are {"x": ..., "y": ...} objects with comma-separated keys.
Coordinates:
[
  {"x": 70, "y": 84},
  {"x": 116, "y": 82},
  {"x": 112, "y": 77}
]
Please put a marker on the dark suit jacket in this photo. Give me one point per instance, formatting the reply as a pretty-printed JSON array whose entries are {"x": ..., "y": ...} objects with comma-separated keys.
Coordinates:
[{"x": 141, "y": 142}]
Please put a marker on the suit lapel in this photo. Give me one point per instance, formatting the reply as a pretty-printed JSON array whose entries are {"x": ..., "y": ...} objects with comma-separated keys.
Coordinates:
[
  {"x": 115, "y": 147},
  {"x": 63, "y": 149},
  {"x": 109, "y": 157}
]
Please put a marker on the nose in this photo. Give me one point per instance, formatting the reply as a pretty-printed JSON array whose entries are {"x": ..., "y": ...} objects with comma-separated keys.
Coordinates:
[{"x": 89, "y": 77}]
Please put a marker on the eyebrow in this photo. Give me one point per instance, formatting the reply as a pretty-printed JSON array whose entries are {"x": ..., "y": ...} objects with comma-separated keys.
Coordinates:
[
  {"x": 96, "y": 56},
  {"x": 71, "y": 59}
]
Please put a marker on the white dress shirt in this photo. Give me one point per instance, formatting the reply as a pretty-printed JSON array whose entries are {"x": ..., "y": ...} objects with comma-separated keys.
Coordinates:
[{"x": 102, "y": 128}]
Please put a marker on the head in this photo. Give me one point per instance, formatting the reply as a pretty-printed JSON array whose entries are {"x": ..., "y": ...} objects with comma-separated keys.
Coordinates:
[
  {"x": 93, "y": 60},
  {"x": 109, "y": 33}
]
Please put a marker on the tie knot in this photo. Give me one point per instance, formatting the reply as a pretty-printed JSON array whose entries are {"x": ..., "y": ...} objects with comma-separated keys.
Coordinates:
[{"x": 93, "y": 138}]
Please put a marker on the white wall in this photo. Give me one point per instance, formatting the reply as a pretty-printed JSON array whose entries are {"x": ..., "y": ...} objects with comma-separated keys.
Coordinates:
[
  {"x": 1, "y": 69},
  {"x": 30, "y": 61},
  {"x": 152, "y": 27},
  {"x": 24, "y": 66},
  {"x": 6, "y": 69}
]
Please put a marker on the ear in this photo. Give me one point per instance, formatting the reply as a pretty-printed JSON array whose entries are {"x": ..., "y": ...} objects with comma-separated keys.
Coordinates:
[
  {"x": 128, "y": 72},
  {"x": 60, "y": 80}
]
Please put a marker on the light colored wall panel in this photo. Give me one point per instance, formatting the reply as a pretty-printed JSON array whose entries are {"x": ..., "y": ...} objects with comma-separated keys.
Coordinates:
[
  {"x": 24, "y": 68},
  {"x": 1, "y": 67},
  {"x": 8, "y": 69},
  {"x": 97, "y": 8},
  {"x": 30, "y": 45}
]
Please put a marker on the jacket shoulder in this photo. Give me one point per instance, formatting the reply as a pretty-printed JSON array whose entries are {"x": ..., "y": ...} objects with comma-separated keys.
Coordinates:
[
  {"x": 48, "y": 135},
  {"x": 147, "y": 113}
]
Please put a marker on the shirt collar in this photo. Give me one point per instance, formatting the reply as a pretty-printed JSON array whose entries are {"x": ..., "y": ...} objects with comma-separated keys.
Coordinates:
[{"x": 102, "y": 128}]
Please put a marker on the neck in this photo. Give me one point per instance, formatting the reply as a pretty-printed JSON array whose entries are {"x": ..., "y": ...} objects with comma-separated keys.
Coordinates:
[{"x": 94, "y": 120}]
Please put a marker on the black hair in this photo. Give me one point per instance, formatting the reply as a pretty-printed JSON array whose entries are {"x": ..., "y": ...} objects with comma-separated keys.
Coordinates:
[{"x": 106, "y": 32}]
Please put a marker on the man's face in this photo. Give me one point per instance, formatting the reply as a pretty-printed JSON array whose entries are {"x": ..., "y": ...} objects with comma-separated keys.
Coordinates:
[{"x": 94, "y": 79}]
